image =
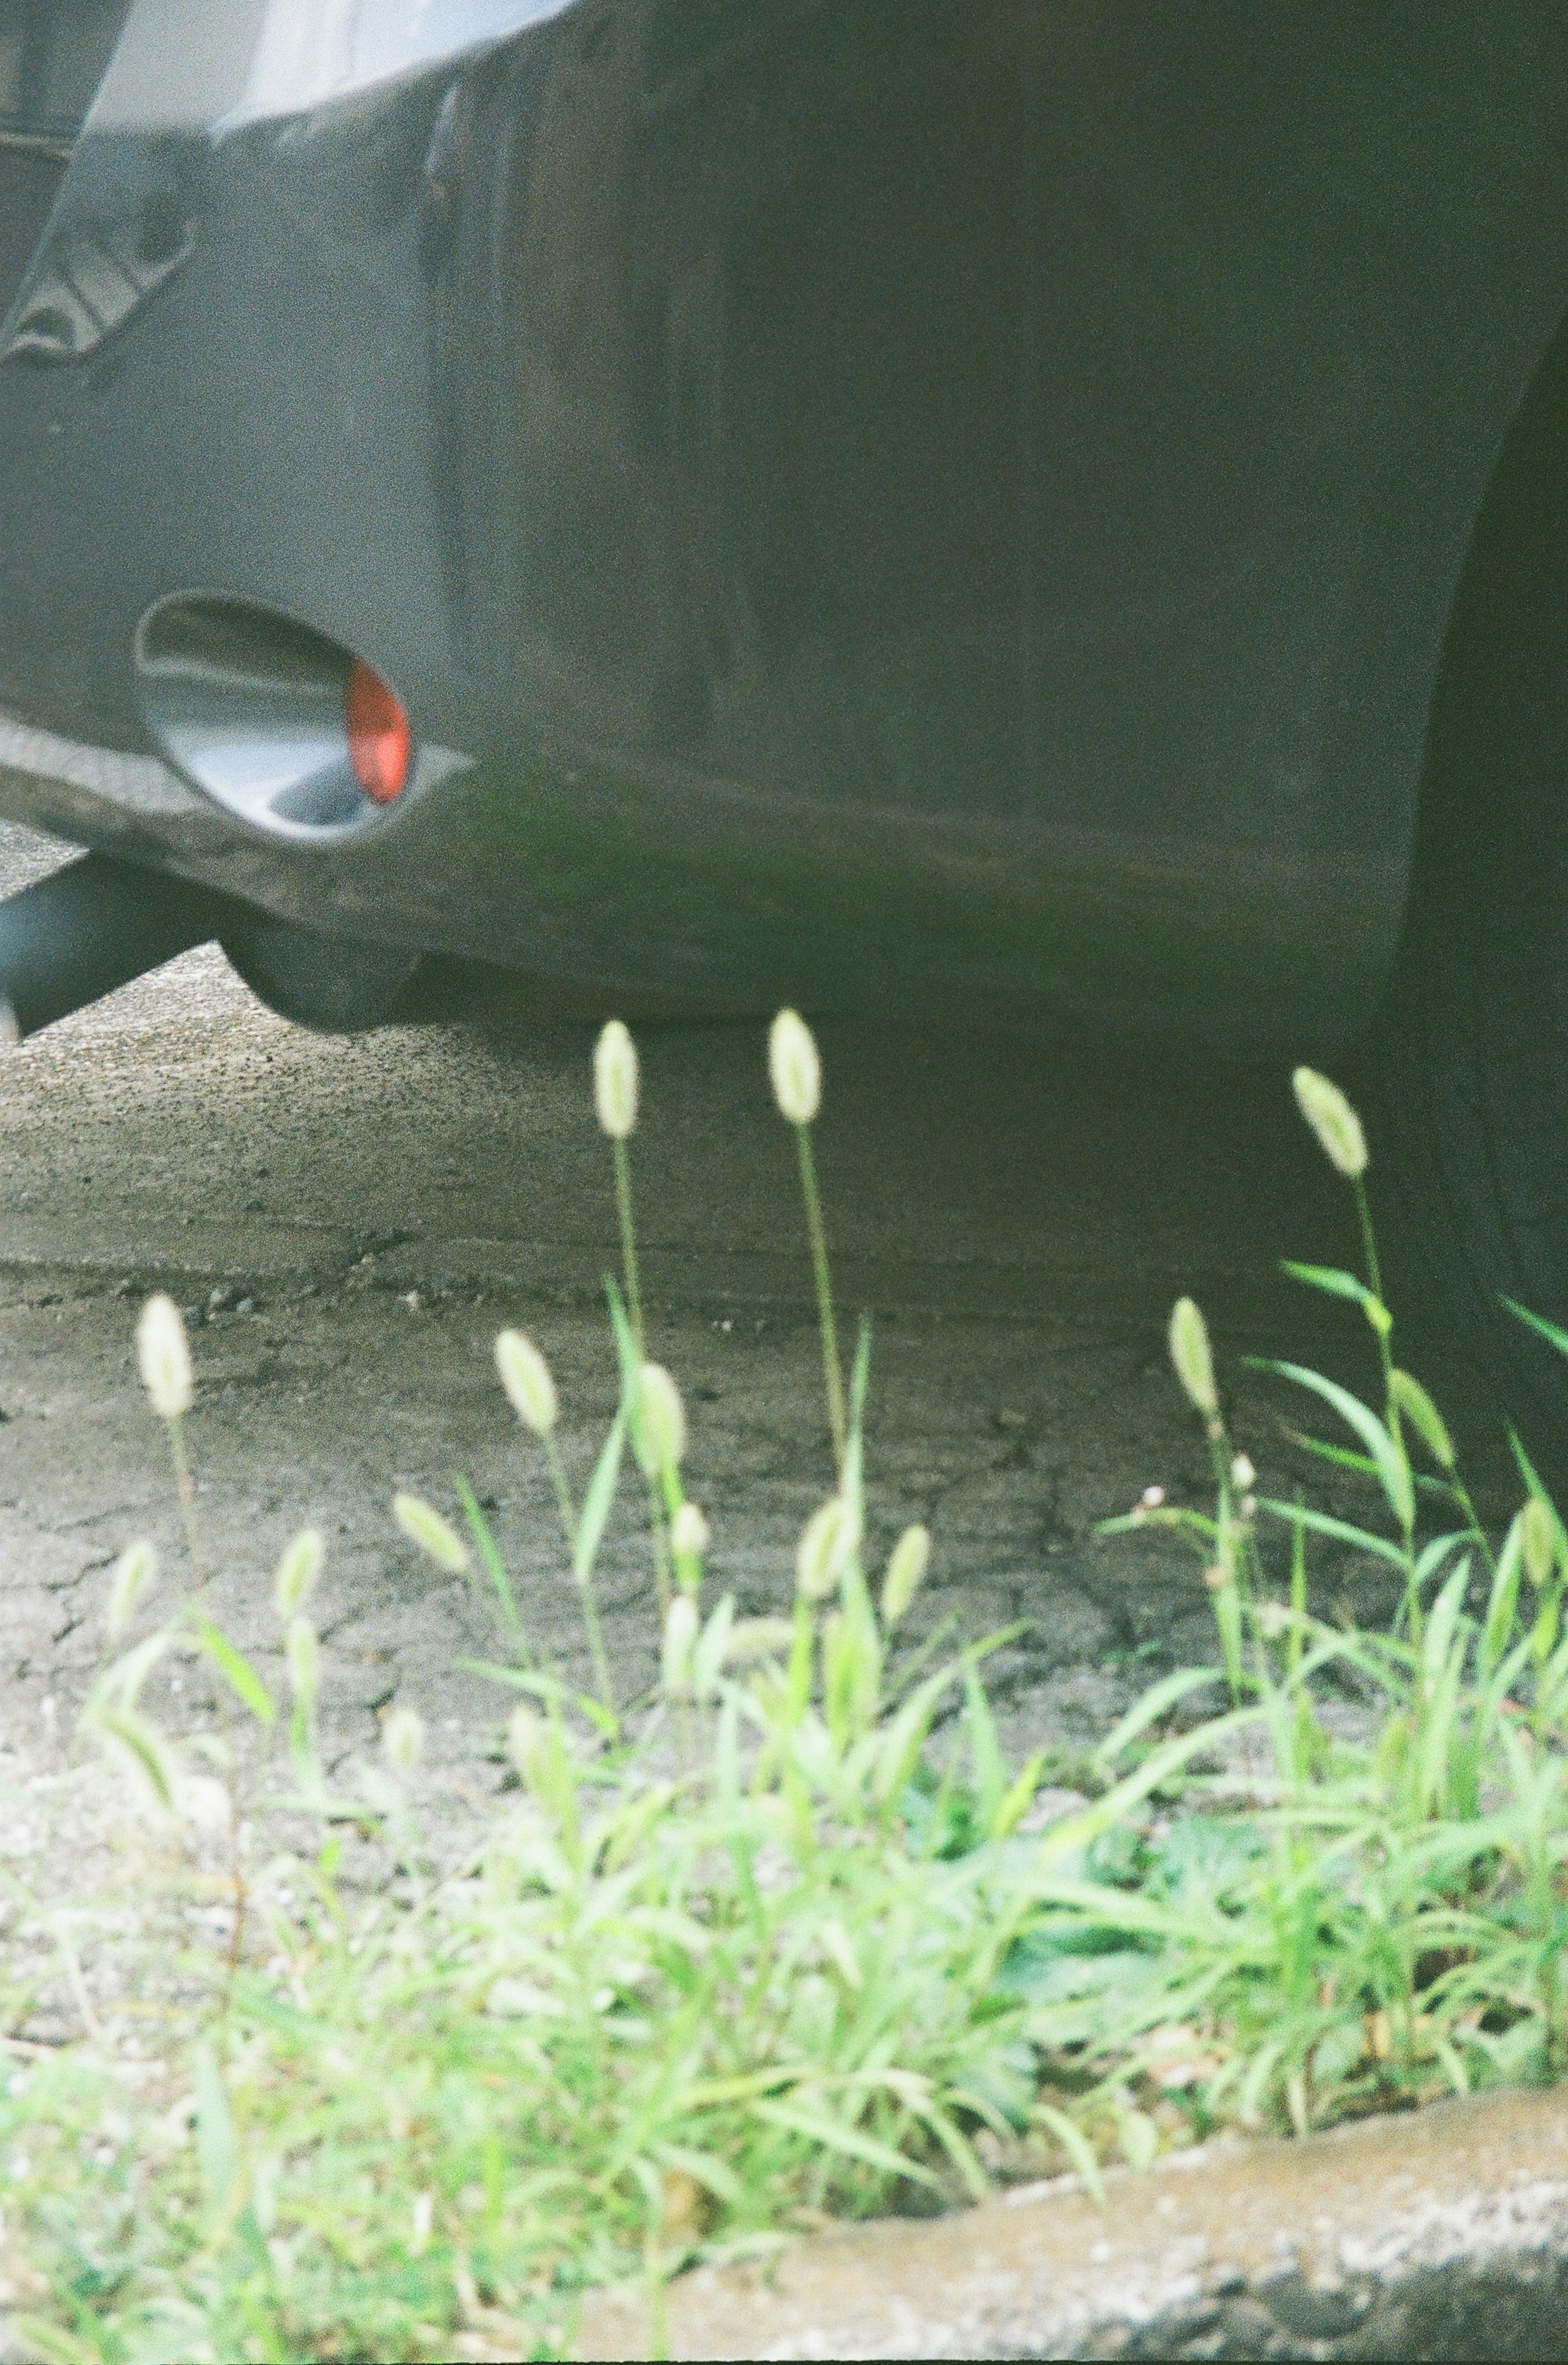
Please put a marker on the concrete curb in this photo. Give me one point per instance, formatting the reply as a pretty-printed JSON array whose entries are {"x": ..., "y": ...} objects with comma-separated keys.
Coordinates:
[{"x": 1444, "y": 2233}]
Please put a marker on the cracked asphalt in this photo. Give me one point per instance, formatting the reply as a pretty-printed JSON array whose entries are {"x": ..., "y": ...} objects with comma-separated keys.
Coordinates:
[{"x": 347, "y": 1222}]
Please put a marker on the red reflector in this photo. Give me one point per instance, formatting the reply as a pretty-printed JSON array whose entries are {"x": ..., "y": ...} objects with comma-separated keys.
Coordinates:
[{"x": 379, "y": 737}]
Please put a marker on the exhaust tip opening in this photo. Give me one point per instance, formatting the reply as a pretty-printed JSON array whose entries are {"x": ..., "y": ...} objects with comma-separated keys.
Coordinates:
[{"x": 274, "y": 721}]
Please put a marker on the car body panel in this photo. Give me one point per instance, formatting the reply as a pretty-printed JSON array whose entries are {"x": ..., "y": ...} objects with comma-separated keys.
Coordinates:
[{"x": 879, "y": 501}]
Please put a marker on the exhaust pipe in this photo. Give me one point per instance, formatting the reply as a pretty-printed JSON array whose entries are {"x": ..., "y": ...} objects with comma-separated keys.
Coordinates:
[
  {"x": 99, "y": 921},
  {"x": 92, "y": 925}
]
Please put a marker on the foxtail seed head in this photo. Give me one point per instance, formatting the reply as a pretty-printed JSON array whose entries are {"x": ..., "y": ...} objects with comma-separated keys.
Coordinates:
[
  {"x": 1538, "y": 1542},
  {"x": 135, "y": 1570},
  {"x": 689, "y": 1534},
  {"x": 525, "y": 1375},
  {"x": 828, "y": 1542},
  {"x": 436, "y": 1537},
  {"x": 662, "y": 1417},
  {"x": 303, "y": 1653},
  {"x": 297, "y": 1572},
  {"x": 753, "y": 1639},
  {"x": 525, "y": 1738},
  {"x": 1193, "y": 1362},
  {"x": 1333, "y": 1120},
  {"x": 794, "y": 1068},
  {"x": 615, "y": 1081},
  {"x": 135, "y": 1743},
  {"x": 906, "y": 1567},
  {"x": 403, "y": 1738},
  {"x": 1412, "y": 1400},
  {"x": 164, "y": 1356},
  {"x": 680, "y": 1634}
]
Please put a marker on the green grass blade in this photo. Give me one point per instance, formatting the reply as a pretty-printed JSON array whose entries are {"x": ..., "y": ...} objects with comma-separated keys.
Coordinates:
[
  {"x": 52, "y": 2344},
  {"x": 626, "y": 1353},
  {"x": 1161, "y": 1764},
  {"x": 1077, "y": 2148},
  {"x": 548, "y": 1689},
  {"x": 1343, "y": 1457},
  {"x": 598, "y": 1500},
  {"x": 1393, "y": 1465},
  {"x": 1536, "y": 1322},
  {"x": 491, "y": 1562},
  {"x": 1503, "y": 1603},
  {"x": 1433, "y": 1555},
  {"x": 1323, "y": 1524},
  {"x": 848, "y": 2141},
  {"x": 958, "y": 2148},
  {"x": 136, "y": 1733},
  {"x": 1527, "y": 1470},
  {"x": 1154, "y": 1704},
  {"x": 1335, "y": 1281},
  {"x": 1445, "y": 1617},
  {"x": 985, "y": 1753},
  {"x": 860, "y": 1375},
  {"x": 218, "y": 2141},
  {"x": 122, "y": 1680},
  {"x": 237, "y": 1671},
  {"x": 706, "y": 2169}
]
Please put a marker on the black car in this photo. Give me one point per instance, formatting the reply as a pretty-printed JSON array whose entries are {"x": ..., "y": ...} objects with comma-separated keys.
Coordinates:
[{"x": 1055, "y": 507}]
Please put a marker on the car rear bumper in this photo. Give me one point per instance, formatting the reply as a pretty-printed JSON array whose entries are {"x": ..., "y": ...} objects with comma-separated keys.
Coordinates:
[
  {"x": 649, "y": 889},
  {"x": 1028, "y": 624}
]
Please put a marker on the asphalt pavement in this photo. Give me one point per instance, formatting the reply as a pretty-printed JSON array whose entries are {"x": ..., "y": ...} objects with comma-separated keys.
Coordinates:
[{"x": 348, "y": 1221}]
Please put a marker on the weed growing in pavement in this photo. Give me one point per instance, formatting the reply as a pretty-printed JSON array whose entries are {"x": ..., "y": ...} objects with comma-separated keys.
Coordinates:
[{"x": 777, "y": 1941}]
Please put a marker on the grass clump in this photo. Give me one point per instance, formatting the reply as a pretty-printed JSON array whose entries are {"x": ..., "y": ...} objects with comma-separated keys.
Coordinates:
[{"x": 779, "y": 1940}]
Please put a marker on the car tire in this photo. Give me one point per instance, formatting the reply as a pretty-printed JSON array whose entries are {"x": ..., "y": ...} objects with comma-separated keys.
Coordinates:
[{"x": 1472, "y": 1053}]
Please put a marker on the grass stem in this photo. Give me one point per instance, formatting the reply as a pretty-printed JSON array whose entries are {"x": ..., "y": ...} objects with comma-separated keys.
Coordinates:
[
  {"x": 187, "y": 1494},
  {"x": 484, "y": 1543},
  {"x": 628, "y": 1242},
  {"x": 660, "y": 1527},
  {"x": 567, "y": 1509},
  {"x": 596, "y": 1645},
  {"x": 833, "y": 1371}
]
